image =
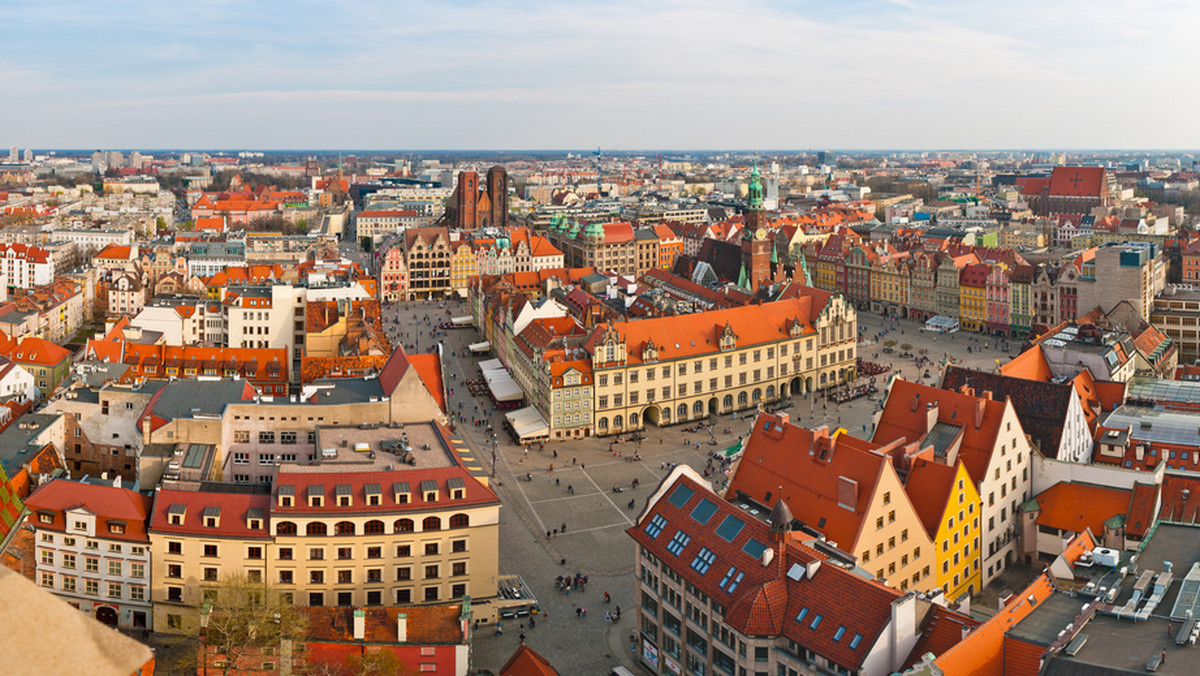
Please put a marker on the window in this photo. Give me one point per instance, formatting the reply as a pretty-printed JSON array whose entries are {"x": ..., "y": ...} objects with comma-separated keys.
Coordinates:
[
  {"x": 68, "y": 584},
  {"x": 431, "y": 593},
  {"x": 286, "y": 577},
  {"x": 47, "y": 579},
  {"x": 374, "y": 552},
  {"x": 210, "y": 550},
  {"x": 345, "y": 577},
  {"x": 316, "y": 577},
  {"x": 266, "y": 437},
  {"x": 431, "y": 572},
  {"x": 114, "y": 568},
  {"x": 316, "y": 554},
  {"x": 91, "y": 564},
  {"x": 704, "y": 560},
  {"x": 114, "y": 590},
  {"x": 345, "y": 553},
  {"x": 173, "y": 593},
  {"x": 678, "y": 542},
  {"x": 431, "y": 549}
]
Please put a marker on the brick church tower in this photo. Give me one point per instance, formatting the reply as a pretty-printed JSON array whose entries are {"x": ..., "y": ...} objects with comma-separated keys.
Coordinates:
[
  {"x": 466, "y": 199},
  {"x": 756, "y": 243},
  {"x": 497, "y": 191}
]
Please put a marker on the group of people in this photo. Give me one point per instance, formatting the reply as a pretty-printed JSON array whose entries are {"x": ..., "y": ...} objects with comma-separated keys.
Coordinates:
[
  {"x": 843, "y": 396},
  {"x": 567, "y": 583}
]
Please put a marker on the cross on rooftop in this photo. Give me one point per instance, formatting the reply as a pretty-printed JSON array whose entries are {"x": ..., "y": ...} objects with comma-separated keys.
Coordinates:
[{"x": 1076, "y": 179}]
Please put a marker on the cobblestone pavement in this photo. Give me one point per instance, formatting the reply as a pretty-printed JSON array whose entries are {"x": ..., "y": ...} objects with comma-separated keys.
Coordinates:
[{"x": 595, "y": 543}]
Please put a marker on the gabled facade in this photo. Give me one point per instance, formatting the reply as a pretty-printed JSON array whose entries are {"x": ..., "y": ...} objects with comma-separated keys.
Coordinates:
[
  {"x": 988, "y": 438},
  {"x": 949, "y": 508},
  {"x": 844, "y": 488}
]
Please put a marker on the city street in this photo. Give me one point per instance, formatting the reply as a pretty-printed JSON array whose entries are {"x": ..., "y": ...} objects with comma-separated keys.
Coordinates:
[{"x": 594, "y": 542}]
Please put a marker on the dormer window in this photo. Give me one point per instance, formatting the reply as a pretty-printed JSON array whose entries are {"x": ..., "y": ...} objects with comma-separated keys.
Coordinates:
[
  {"x": 316, "y": 496},
  {"x": 401, "y": 492},
  {"x": 374, "y": 494},
  {"x": 287, "y": 495},
  {"x": 344, "y": 494},
  {"x": 255, "y": 518},
  {"x": 116, "y": 527},
  {"x": 46, "y": 517},
  {"x": 212, "y": 517},
  {"x": 176, "y": 514},
  {"x": 458, "y": 490},
  {"x": 429, "y": 490}
]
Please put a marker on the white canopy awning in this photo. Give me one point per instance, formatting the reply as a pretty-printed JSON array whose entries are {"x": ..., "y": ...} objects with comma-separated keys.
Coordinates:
[
  {"x": 503, "y": 387},
  {"x": 465, "y": 320},
  {"x": 491, "y": 365},
  {"x": 480, "y": 347},
  {"x": 527, "y": 423}
]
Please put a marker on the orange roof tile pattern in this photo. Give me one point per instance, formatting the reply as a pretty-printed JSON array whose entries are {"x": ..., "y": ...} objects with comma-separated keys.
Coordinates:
[
  {"x": 1074, "y": 507},
  {"x": 110, "y": 504},
  {"x": 527, "y": 662},
  {"x": 682, "y": 336},
  {"x": 982, "y": 652}
]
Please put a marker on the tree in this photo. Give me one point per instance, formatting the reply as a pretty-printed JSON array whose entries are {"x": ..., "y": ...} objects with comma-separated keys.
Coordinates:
[{"x": 243, "y": 617}]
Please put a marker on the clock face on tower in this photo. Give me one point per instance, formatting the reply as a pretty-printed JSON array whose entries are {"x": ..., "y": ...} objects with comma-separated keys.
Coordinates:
[{"x": 760, "y": 235}]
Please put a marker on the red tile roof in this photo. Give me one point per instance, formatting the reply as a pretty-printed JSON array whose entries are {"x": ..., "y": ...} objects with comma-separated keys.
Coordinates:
[
  {"x": 929, "y": 486},
  {"x": 429, "y": 369},
  {"x": 1078, "y": 182},
  {"x": 805, "y": 468},
  {"x": 941, "y": 630},
  {"x": 1073, "y": 506},
  {"x": 38, "y": 351},
  {"x": 106, "y": 502},
  {"x": 424, "y": 624},
  {"x": 234, "y": 513},
  {"x": 982, "y": 652},
  {"x": 904, "y": 416},
  {"x": 527, "y": 662}
]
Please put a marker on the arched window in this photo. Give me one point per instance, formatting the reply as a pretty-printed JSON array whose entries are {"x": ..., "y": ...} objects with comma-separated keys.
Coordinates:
[
  {"x": 770, "y": 391},
  {"x": 727, "y": 402},
  {"x": 460, "y": 521},
  {"x": 698, "y": 407},
  {"x": 285, "y": 528},
  {"x": 741, "y": 398},
  {"x": 316, "y": 528},
  {"x": 402, "y": 526},
  {"x": 757, "y": 394},
  {"x": 344, "y": 528},
  {"x": 681, "y": 411},
  {"x": 373, "y": 527},
  {"x": 633, "y": 419},
  {"x": 603, "y": 423},
  {"x": 822, "y": 380},
  {"x": 431, "y": 523},
  {"x": 618, "y": 421}
]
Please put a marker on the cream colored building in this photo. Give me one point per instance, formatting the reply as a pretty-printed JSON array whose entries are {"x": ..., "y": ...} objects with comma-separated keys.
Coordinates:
[
  {"x": 388, "y": 516},
  {"x": 669, "y": 370}
]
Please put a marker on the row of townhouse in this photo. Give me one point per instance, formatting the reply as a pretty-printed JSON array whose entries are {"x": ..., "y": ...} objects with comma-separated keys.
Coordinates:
[
  {"x": 432, "y": 262},
  {"x": 991, "y": 291}
]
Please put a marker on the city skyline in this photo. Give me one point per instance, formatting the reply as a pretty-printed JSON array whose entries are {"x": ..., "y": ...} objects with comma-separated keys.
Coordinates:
[{"x": 536, "y": 75}]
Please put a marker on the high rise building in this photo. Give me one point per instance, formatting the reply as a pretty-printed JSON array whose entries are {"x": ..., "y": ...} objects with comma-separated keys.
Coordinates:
[
  {"x": 12, "y": 154},
  {"x": 497, "y": 190}
]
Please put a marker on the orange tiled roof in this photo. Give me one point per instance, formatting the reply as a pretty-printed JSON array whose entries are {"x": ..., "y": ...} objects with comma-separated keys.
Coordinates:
[
  {"x": 929, "y": 486},
  {"x": 679, "y": 336},
  {"x": 527, "y": 662},
  {"x": 39, "y": 351},
  {"x": 982, "y": 652},
  {"x": 1073, "y": 506},
  {"x": 425, "y": 624},
  {"x": 805, "y": 468},
  {"x": 429, "y": 369}
]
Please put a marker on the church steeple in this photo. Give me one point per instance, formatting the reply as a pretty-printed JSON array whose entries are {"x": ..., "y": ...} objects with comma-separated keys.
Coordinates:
[{"x": 755, "y": 191}]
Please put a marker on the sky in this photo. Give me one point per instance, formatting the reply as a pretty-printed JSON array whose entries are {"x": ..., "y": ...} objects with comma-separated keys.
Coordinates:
[{"x": 617, "y": 74}]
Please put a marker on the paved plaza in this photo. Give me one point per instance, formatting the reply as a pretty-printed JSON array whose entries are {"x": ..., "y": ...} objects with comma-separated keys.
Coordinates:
[{"x": 595, "y": 543}]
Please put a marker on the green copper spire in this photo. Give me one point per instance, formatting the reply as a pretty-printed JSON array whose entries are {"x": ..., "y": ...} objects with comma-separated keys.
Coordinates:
[
  {"x": 744, "y": 279},
  {"x": 804, "y": 269},
  {"x": 774, "y": 255},
  {"x": 755, "y": 190}
]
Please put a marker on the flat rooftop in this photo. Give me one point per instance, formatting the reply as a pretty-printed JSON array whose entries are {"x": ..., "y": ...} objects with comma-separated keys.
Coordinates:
[{"x": 346, "y": 448}]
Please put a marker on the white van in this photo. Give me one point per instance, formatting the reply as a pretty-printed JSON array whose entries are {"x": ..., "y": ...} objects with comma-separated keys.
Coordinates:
[{"x": 620, "y": 671}]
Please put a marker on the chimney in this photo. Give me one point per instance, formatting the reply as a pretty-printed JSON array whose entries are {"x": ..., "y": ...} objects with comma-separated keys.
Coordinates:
[
  {"x": 401, "y": 628},
  {"x": 783, "y": 419},
  {"x": 980, "y": 404},
  {"x": 360, "y": 624},
  {"x": 931, "y": 415},
  {"x": 987, "y": 394}
]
